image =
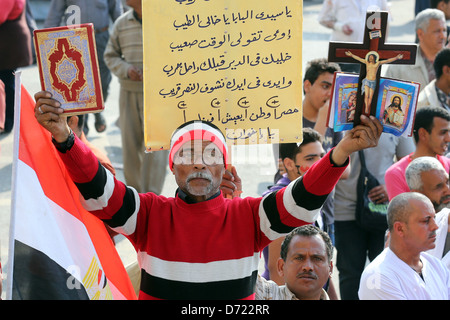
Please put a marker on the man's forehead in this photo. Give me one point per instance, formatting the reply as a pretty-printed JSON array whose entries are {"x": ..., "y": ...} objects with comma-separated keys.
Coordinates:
[
  {"x": 307, "y": 243},
  {"x": 208, "y": 135},
  {"x": 196, "y": 143},
  {"x": 441, "y": 123},
  {"x": 421, "y": 208},
  {"x": 435, "y": 173},
  {"x": 325, "y": 77},
  {"x": 312, "y": 148},
  {"x": 435, "y": 24},
  {"x": 433, "y": 180}
]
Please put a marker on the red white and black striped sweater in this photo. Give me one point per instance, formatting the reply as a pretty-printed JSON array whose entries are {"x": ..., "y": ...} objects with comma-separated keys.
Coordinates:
[{"x": 206, "y": 250}]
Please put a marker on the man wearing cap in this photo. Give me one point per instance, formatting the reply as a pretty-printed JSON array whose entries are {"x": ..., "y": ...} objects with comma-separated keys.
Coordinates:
[{"x": 198, "y": 244}]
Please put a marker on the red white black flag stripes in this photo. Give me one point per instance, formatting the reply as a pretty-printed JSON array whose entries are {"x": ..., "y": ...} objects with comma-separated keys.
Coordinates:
[{"x": 57, "y": 249}]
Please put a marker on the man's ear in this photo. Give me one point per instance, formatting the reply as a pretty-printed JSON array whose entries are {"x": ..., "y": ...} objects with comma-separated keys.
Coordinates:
[
  {"x": 399, "y": 228},
  {"x": 423, "y": 134},
  {"x": 446, "y": 69},
  {"x": 307, "y": 86},
  {"x": 289, "y": 164},
  {"x": 420, "y": 33},
  {"x": 280, "y": 267}
]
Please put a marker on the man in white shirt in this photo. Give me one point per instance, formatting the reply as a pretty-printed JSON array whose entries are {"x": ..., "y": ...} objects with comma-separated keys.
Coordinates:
[
  {"x": 347, "y": 18},
  {"x": 427, "y": 176},
  {"x": 431, "y": 31},
  {"x": 403, "y": 271},
  {"x": 437, "y": 92}
]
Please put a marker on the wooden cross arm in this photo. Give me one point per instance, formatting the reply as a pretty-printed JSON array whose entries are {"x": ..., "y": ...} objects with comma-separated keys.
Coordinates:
[{"x": 409, "y": 56}]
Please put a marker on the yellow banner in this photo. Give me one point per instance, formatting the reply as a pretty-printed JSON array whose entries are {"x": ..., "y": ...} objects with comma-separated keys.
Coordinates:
[{"x": 234, "y": 63}]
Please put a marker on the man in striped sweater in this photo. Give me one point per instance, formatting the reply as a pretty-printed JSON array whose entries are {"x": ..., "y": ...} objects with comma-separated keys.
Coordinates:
[{"x": 198, "y": 244}]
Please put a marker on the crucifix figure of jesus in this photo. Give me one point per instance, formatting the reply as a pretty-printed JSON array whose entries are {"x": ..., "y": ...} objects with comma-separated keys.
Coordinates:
[
  {"x": 371, "y": 54},
  {"x": 369, "y": 83}
]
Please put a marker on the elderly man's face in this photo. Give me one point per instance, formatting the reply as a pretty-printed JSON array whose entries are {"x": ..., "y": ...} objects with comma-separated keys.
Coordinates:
[
  {"x": 436, "y": 188},
  {"x": 198, "y": 169},
  {"x": 434, "y": 37}
]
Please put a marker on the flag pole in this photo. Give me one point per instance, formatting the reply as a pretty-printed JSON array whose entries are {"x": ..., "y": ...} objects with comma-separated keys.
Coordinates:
[{"x": 12, "y": 221}]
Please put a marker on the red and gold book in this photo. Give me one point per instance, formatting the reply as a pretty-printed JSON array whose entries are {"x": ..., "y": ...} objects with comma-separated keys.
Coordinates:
[{"x": 68, "y": 67}]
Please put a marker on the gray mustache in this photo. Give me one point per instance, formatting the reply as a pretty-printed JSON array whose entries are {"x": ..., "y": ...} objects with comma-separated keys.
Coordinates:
[{"x": 201, "y": 175}]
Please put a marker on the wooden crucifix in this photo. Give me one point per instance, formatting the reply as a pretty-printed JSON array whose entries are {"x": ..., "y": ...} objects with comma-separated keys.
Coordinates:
[{"x": 371, "y": 54}]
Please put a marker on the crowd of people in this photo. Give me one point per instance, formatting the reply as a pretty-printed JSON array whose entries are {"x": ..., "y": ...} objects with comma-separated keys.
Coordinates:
[{"x": 308, "y": 212}]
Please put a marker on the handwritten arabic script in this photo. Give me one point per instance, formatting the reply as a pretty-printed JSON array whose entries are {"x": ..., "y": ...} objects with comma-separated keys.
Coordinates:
[
  {"x": 226, "y": 18},
  {"x": 234, "y": 63},
  {"x": 228, "y": 40}
]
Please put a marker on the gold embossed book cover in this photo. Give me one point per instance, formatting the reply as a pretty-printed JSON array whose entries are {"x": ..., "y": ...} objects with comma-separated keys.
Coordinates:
[{"x": 68, "y": 67}]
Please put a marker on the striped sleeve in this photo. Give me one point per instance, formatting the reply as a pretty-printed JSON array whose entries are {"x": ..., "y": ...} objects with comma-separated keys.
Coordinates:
[
  {"x": 300, "y": 202},
  {"x": 102, "y": 194}
]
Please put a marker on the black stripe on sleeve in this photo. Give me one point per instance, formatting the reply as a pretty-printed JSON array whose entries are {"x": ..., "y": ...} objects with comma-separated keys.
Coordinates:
[
  {"x": 126, "y": 210},
  {"x": 96, "y": 187},
  {"x": 270, "y": 208},
  {"x": 306, "y": 199}
]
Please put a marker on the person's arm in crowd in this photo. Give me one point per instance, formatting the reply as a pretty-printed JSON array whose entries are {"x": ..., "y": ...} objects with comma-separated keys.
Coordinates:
[
  {"x": 113, "y": 56},
  {"x": 299, "y": 203}
]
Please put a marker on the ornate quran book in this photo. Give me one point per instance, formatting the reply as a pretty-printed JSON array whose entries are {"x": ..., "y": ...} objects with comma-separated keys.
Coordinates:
[{"x": 68, "y": 67}]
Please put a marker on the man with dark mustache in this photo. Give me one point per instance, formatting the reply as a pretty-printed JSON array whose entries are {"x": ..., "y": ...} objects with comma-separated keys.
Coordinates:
[
  {"x": 305, "y": 265},
  {"x": 199, "y": 244},
  {"x": 404, "y": 271}
]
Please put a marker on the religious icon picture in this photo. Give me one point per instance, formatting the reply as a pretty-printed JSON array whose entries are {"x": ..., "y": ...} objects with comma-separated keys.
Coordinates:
[
  {"x": 344, "y": 98},
  {"x": 348, "y": 106},
  {"x": 68, "y": 67},
  {"x": 396, "y": 104},
  {"x": 393, "y": 115}
]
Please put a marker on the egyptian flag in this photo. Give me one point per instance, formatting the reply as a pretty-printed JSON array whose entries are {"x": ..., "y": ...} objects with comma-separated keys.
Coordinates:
[{"x": 57, "y": 249}]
